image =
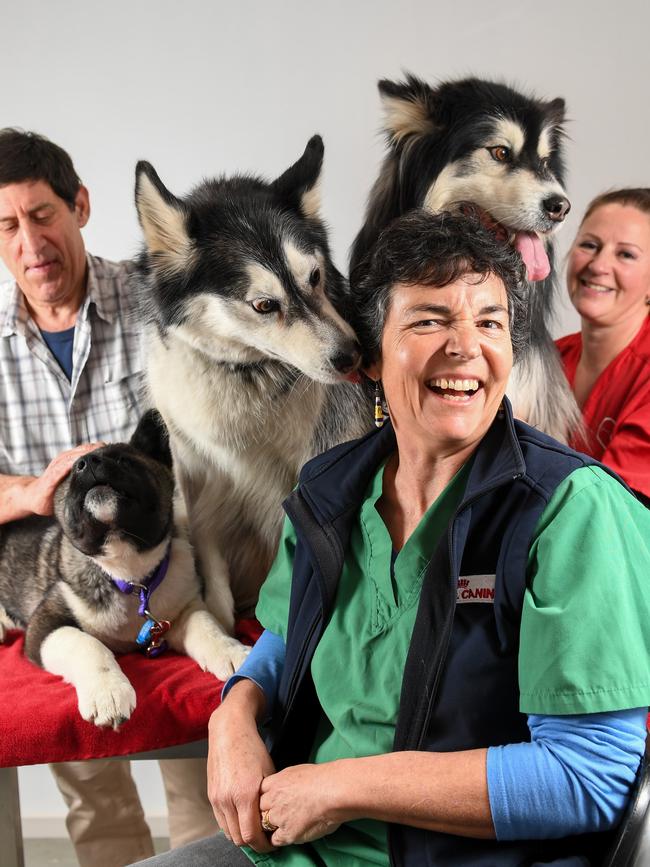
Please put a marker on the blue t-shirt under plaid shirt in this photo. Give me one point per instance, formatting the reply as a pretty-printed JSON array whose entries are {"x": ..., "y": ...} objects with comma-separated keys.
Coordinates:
[{"x": 42, "y": 412}]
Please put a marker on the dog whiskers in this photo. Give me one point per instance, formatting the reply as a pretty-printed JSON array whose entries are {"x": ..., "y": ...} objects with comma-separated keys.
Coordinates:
[{"x": 134, "y": 536}]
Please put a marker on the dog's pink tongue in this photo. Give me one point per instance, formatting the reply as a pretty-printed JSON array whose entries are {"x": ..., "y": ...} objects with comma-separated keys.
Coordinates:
[{"x": 534, "y": 255}]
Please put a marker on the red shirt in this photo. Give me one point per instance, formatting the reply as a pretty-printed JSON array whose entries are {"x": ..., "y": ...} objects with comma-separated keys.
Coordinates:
[{"x": 617, "y": 410}]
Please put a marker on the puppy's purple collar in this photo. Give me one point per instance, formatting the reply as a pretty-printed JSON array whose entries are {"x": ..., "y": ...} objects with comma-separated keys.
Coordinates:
[{"x": 147, "y": 585}]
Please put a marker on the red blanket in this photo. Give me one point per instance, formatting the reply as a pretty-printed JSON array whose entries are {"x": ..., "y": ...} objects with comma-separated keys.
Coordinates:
[{"x": 40, "y": 722}]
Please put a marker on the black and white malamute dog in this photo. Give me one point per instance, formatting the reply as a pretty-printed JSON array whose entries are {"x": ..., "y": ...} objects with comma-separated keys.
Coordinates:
[
  {"x": 111, "y": 572},
  {"x": 246, "y": 359},
  {"x": 482, "y": 144}
]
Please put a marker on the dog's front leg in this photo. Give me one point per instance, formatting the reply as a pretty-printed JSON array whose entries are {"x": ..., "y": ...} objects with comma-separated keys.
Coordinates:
[
  {"x": 202, "y": 508},
  {"x": 198, "y": 634},
  {"x": 104, "y": 694},
  {"x": 214, "y": 571}
]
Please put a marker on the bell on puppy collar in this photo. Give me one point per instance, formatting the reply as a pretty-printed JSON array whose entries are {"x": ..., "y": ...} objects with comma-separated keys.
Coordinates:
[{"x": 150, "y": 637}]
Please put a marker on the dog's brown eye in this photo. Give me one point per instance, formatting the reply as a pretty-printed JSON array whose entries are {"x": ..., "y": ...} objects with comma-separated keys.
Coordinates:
[
  {"x": 314, "y": 278},
  {"x": 265, "y": 305},
  {"x": 500, "y": 153}
]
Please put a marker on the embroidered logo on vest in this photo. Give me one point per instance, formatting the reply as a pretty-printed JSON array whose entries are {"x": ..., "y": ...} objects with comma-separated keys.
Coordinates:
[{"x": 475, "y": 588}]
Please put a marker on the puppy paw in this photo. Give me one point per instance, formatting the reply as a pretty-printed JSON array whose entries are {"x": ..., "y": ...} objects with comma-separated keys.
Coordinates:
[
  {"x": 222, "y": 655},
  {"x": 108, "y": 700}
]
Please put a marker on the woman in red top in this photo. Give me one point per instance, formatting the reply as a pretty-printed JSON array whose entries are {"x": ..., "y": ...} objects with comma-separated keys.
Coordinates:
[{"x": 608, "y": 362}]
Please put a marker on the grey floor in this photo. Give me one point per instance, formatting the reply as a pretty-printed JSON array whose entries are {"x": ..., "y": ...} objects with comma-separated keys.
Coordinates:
[{"x": 59, "y": 852}]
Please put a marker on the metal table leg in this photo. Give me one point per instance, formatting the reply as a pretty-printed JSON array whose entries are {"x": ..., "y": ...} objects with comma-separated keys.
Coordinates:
[{"x": 11, "y": 836}]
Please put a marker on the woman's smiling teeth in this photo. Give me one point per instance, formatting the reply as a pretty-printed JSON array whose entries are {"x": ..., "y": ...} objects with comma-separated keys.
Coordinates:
[
  {"x": 454, "y": 389},
  {"x": 595, "y": 287}
]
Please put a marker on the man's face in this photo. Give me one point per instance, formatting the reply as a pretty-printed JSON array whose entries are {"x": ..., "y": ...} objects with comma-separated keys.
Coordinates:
[{"x": 41, "y": 242}]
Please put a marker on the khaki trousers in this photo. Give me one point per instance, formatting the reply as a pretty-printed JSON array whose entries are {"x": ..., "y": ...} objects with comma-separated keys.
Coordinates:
[{"x": 106, "y": 821}]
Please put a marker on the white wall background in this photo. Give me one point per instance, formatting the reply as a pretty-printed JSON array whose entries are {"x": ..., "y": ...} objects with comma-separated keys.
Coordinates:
[{"x": 201, "y": 88}]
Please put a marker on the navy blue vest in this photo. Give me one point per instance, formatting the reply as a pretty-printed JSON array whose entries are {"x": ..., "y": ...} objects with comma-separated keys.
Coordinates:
[{"x": 468, "y": 697}]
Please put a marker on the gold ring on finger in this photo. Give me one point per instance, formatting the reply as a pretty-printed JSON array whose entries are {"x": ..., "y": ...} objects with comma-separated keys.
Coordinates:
[{"x": 267, "y": 824}]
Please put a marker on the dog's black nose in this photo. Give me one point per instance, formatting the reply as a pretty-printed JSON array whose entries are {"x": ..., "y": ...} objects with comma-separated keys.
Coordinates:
[
  {"x": 90, "y": 461},
  {"x": 91, "y": 466},
  {"x": 557, "y": 207},
  {"x": 346, "y": 362}
]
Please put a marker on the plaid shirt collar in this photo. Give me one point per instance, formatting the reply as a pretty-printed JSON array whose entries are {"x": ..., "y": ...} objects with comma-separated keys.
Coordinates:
[{"x": 14, "y": 313}]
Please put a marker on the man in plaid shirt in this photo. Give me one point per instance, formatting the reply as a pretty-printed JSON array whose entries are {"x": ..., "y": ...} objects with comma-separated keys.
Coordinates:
[{"x": 71, "y": 376}]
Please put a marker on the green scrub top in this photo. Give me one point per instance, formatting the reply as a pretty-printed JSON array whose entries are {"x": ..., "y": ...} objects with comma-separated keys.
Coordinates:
[{"x": 590, "y": 533}]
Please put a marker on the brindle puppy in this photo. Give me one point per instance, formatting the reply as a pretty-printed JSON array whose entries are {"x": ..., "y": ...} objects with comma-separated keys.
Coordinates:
[{"x": 69, "y": 580}]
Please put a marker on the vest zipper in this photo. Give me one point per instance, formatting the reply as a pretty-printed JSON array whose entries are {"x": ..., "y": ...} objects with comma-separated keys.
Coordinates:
[
  {"x": 292, "y": 689},
  {"x": 324, "y": 551},
  {"x": 448, "y": 627}
]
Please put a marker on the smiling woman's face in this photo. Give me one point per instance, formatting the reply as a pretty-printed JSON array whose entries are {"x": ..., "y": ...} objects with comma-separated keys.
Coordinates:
[
  {"x": 445, "y": 359},
  {"x": 608, "y": 272}
]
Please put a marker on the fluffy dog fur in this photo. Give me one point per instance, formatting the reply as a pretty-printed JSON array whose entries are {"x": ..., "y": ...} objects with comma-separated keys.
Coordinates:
[
  {"x": 246, "y": 357},
  {"x": 114, "y": 519},
  {"x": 483, "y": 143}
]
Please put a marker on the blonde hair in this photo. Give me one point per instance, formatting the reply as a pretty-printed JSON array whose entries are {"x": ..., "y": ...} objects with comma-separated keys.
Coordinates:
[{"x": 636, "y": 197}]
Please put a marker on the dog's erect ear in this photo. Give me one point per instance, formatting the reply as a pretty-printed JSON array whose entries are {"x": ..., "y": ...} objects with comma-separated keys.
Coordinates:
[
  {"x": 162, "y": 217},
  {"x": 151, "y": 437},
  {"x": 409, "y": 108},
  {"x": 555, "y": 109},
  {"x": 300, "y": 184}
]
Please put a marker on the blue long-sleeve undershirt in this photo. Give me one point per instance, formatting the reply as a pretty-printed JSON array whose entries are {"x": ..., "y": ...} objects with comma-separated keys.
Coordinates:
[
  {"x": 263, "y": 666},
  {"x": 573, "y": 777}
]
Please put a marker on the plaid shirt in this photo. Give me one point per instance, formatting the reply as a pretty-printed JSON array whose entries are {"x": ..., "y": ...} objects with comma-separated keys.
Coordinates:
[{"x": 41, "y": 413}]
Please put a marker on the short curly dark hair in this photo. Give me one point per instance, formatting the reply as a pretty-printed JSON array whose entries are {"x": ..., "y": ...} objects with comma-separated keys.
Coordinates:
[
  {"x": 433, "y": 250},
  {"x": 28, "y": 156}
]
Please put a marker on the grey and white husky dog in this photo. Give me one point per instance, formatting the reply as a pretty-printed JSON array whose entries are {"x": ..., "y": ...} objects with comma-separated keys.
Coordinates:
[
  {"x": 247, "y": 357},
  {"x": 69, "y": 581},
  {"x": 482, "y": 145}
]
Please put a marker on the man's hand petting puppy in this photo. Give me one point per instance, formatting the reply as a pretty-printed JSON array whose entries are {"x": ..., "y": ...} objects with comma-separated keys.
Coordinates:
[{"x": 34, "y": 495}]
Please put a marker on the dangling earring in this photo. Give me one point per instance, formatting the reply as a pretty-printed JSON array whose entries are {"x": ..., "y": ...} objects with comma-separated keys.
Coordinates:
[{"x": 379, "y": 408}]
